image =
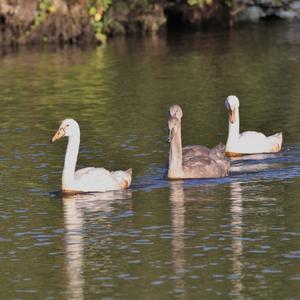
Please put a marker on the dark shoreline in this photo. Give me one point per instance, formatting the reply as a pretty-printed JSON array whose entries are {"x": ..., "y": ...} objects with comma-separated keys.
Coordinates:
[{"x": 69, "y": 22}]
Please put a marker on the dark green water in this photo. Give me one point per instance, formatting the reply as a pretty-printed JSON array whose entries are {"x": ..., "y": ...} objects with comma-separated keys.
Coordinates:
[{"x": 237, "y": 237}]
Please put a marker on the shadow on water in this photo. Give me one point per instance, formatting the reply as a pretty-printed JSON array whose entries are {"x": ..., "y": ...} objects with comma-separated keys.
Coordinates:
[{"x": 248, "y": 168}]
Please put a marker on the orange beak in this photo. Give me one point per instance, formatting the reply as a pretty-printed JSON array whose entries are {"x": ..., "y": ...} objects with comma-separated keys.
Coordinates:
[
  {"x": 231, "y": 116},
  {"x": 58, "y": 135}
]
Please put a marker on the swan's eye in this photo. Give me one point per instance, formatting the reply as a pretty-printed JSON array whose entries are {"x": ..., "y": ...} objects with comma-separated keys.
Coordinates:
[{"x": 68, "y": 125}]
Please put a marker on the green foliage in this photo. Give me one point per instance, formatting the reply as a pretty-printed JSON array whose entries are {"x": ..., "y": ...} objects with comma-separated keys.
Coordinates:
[
  {"x": 229, "y": 3},
  {"x": 200, "y": 3},
  {"x": 45, "y": 7},
  {"x": 96, "y": 10}
]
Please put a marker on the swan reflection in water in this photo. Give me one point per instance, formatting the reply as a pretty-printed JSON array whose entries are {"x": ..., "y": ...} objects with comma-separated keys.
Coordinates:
[
  {"x": 177, "y": 200},
  {"x": 76, "y": 208},
  {"x": 236, "y": 212},
  {"x": 254, "y": 163}
]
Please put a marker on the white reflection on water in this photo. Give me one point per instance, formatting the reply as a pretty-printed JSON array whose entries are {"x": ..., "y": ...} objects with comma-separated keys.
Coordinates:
[
  {"x": 236, "y": 210},
  {"x": 73, "y": 217},
  {"x": 75, "y": 208},
  {"x": 178, "y": 214},
  {"x": 178, "y": 199},
  {"x": 254, "y": 163}
]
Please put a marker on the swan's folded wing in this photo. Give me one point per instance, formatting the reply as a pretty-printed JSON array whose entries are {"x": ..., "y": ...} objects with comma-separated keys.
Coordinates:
[
  {"x": 253, "y": 142},
  {"x": 84, "y": 171},
  {"x": 194, "y": 150},
  {"x": 95, "y": 179},
  {"x": 206, "y": 166},
  {"x": 251, "y": 135},
  {"x": 218, "y": 152},
  {"x": 100, "y": 179},
  {"x": 196, "y": 161}
]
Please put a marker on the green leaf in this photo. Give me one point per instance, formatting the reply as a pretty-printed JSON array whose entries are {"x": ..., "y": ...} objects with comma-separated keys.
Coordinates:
[{"x": 92, "y": 11}]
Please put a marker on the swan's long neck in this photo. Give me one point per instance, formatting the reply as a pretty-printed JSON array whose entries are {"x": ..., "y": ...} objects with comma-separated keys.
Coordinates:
[
  {"x": 175, "y": 155},
  {"x": 233, "y": 130},
  {"x": 70, "y": 162}
]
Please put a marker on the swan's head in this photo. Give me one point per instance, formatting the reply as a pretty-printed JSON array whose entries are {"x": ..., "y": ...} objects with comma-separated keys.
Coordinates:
[
  {"x": 68, "y": 127},
  {"x": 176, "y": 111},
  {"x": 173, "y": 124},
  {"x": 232, "y": 103}
]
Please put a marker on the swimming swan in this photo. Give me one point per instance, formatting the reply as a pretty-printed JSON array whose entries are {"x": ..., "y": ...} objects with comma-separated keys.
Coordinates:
[
  {"x": 204, "y": 165},
  {"x": 87, "y": 179},
  {"x": 193, "y": 150},
  {"x": 248, "y": 142}
]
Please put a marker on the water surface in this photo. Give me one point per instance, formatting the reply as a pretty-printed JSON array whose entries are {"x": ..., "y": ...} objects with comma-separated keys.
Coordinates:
[{"x": 236, "y": 237}]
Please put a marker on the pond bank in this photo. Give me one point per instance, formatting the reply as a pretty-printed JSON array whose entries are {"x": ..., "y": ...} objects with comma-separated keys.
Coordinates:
[{"x": 91, "y": 21}]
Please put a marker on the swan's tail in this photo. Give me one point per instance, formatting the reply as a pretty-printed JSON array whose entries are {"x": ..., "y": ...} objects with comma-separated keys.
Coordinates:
[
  {"x": 129, "y": 172},
  {"x": 123, "y": 178},
  {"x": 218, "y": 151},
  {"x": 276, "y": 141},
  {"x": 218, "y": 154},
  {"x": 127, "y": 178}
]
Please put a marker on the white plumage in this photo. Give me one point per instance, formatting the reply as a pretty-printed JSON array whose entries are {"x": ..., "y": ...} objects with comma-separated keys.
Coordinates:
[
  {"x": 88, "y": 179},
  {"x": 248, "y": 142}
]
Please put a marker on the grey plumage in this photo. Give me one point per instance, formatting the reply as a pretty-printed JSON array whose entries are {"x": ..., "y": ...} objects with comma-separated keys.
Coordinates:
[
  {"x": 195, "y": 161},
  {"x": 191, "y": 150}
]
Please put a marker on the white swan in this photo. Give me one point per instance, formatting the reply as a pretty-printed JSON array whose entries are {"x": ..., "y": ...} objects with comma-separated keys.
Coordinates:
[
  {"x": 87, "y": 179},
  {"x": 248, "y": 142}
]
